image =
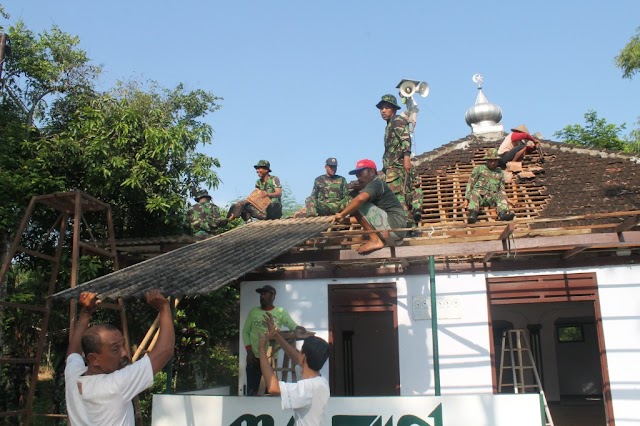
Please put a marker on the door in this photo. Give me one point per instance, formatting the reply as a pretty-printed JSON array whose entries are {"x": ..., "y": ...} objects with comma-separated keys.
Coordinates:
[{"x": 363, "y": 332}]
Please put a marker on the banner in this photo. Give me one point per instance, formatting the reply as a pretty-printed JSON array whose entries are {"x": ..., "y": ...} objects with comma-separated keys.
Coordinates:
[{"x": 450, "y": 410}]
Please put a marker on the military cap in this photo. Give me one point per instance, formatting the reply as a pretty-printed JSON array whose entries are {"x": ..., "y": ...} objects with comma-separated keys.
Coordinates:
[
  {"x": 201, "y": 193},
  {"x": 491, "y": 154},
  {"x": 331, "y": 161},
  {"x": 263, "y": 163},
  {"x": 388, "y": 99}
]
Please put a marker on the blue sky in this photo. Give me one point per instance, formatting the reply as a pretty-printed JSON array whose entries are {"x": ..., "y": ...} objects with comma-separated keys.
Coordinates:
[{"x": 300, "y": 79}]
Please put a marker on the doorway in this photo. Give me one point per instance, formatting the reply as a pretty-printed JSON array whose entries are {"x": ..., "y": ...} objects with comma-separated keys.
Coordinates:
[
  {"x": 561, "y": 314},
  {"x": 363, "y": 332}
]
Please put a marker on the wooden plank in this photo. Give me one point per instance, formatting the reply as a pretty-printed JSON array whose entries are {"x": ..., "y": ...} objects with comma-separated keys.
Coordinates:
[
  {"x": 628, "y": 224},
  {"x": 34, "y": 253},
  {"x": 574, "y": 251}
]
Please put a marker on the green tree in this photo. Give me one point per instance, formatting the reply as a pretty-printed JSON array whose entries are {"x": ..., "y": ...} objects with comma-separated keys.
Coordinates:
[
  {"x": 289, "y": 203},
  {"x": 629, "y": 58},
  {"x": 136, "y": 149},
  {"x": 596, "y": 133}
]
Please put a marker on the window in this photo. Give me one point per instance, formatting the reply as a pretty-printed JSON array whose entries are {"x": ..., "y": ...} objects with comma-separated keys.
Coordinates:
[{"x": 570, "y": 333}]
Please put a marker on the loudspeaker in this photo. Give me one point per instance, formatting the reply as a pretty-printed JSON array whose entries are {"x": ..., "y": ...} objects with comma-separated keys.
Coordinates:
[
  {"x": 423, "y": 89},
  {"x": 407, "y": 88}
]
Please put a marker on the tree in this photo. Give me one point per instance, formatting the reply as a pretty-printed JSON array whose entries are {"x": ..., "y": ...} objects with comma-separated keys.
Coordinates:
[
  {"x": 597, "y": 133},
  {"x": 289, "y": 203},
  {"x": 137, "y": 150},
  {"x": 629, "y": 58}
]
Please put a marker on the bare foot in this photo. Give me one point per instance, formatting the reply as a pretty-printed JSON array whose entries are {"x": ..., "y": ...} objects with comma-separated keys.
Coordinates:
[{"x": 370, "y": 247}]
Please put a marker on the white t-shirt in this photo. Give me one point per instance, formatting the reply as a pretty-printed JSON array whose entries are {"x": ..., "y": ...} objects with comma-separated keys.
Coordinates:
[
  {"x": 105, "y": 399},
  {"x": 308, "y": 399}
]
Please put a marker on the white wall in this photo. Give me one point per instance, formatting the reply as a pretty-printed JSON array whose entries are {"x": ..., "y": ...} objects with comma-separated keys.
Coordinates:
[
  {"x": 465, "y": 365},
  {"x": 619, "y": 290}
]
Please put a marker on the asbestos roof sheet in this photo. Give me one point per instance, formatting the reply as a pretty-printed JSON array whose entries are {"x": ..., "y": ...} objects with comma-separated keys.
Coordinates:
[{"x": 206, "y": 265}]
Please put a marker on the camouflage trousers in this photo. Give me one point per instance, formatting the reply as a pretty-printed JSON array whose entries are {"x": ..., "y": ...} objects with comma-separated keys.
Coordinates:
[
  {"x": 404, "y": 186},
  {"x": 379, "y": 219},
  {"x": 478, "y": 199},
  {"x": 325, "y": 208}
]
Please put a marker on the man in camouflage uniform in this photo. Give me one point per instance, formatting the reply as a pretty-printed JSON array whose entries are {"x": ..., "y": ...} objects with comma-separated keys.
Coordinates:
[
  {"x": 204, "y": 217},
  {"x": 396, "y": 161},
  {"x": 486, "y": 188},
  {"x": 329, "y": 194},
  {"x": 271, "y": 187}
]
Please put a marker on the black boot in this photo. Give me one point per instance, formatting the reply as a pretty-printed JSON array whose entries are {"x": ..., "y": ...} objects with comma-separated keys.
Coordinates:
[
  {"x": 473, "y": 217},
  {"x": 506, "y": 215}
]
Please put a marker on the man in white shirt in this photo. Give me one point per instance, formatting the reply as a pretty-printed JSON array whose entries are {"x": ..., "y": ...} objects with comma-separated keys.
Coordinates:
[
  {"x": 307, "y": 398},
  {"x": 101, "y": 392}
]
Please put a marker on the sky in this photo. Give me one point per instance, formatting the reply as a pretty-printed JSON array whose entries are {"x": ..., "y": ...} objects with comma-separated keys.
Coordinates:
[{"x": 300, "y": 79}]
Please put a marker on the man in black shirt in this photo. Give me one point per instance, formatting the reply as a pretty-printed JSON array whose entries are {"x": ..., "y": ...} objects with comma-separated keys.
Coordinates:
[{"x": 375, "y": 208}]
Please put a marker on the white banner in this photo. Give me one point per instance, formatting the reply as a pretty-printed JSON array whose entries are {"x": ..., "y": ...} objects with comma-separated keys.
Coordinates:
[{"x": 450, "y": 410}]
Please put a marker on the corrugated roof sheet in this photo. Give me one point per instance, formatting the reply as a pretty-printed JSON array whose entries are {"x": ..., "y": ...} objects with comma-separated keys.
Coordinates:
[{"x": 207, "y": 265}]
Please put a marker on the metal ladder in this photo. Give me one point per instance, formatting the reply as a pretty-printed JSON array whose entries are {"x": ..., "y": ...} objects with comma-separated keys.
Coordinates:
[{"x": 519, "y": 360}]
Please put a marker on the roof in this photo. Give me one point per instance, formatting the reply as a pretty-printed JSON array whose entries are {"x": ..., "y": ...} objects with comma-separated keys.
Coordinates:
[
  {"x": 571, "y": 181},
  {"x": 206, "y": 265}
]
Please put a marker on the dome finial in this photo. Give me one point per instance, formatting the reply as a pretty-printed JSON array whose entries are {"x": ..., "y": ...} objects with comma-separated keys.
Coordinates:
[{"x": 484, "y": 117}]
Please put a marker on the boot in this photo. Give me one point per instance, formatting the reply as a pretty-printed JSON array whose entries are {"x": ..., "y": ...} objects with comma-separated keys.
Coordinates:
[
  {"x": 473, "y": 217},
  {"x": 506, "y": 215}
]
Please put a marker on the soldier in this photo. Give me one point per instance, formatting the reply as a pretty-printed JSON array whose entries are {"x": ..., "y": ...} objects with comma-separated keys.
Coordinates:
[
  {"x": 271, "y": 187},
  {"x": 396, "y": 161},
  {"x": 204, "y": 217},
  {"x": 486, "y": 188},
  {"x": 329, "y": 194}
]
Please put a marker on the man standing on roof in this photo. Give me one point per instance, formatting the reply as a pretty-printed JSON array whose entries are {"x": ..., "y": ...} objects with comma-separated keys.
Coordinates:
[
  {"x": 396, "y": 161},
  {"x": 375, "y": 208},
  {"x": 329, "y": 194},
  {"x": 101, "y": 392},
  {"x": 516, "y": 144},
  {"x": 270, "y": 187},
  {"x": 255, "y": 325},
  {"x": 204, "y": 216},
  {"x": 486, "y": 188}
]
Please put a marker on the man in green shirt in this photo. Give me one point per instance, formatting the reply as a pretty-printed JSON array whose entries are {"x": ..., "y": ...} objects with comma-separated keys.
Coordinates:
[{"x": 254, "y": 325}]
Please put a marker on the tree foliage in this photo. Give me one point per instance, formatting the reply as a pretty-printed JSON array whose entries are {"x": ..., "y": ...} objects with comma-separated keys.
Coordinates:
[
  {"x": 596, "y": 133},
  {"x": 137, "y": 150},
  {"x": 629, "y": 58}
]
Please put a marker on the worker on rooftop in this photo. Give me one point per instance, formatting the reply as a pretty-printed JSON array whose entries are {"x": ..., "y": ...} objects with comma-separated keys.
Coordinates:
[
  {"x": 486, "y": 188},
  {"x": 329, "y": 194}
]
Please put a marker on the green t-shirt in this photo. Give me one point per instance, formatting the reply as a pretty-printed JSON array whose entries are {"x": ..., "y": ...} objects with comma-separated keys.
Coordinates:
[{"x": 254, "y": 325}]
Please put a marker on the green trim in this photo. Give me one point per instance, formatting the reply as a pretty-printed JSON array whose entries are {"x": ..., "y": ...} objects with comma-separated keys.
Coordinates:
[
  {"x": 543, "y": 412},
  {"x": 434, "y": 324}
]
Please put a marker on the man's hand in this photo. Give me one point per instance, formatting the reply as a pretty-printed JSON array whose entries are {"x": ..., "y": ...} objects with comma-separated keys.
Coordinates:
[
  {"x": 338, "y": 217},
  {"x": 271, "y": 325},
  {"x": 512, "y": 202},
  {"x": 465, "y": 204},
  {"x": 264, "y": 194},
  {"x": 407, "y": 163},
  {"x": 156, "y": 300},
  {"x": 300, "y": 330},
  {"x": 89, "y": 301}
]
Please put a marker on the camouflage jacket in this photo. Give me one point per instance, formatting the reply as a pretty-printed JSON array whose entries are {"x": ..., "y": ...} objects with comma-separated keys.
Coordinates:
[
  {"x": 485, "y": 180},
  {"x": 204, "y": 218},
  {"x": 270, "y": 186},
  {"x": 397, "y": 142},
  {"x": 329, "y": 189}
]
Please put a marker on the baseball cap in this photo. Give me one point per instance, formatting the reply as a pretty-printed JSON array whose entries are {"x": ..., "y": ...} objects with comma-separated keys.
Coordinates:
[
  {"x": 331, "y": 161},
  {"x": 266, "y": 287},
  {"x": 363, "y": 164}
]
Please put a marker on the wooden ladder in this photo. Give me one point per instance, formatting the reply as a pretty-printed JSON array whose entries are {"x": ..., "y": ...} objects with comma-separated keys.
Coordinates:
[
  {"x": 71, "y": 207},
  {"x": 516, "y": 357}
]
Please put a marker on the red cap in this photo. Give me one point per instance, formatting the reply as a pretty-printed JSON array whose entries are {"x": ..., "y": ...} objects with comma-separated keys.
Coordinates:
[{"x": 363, "y": 164}]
